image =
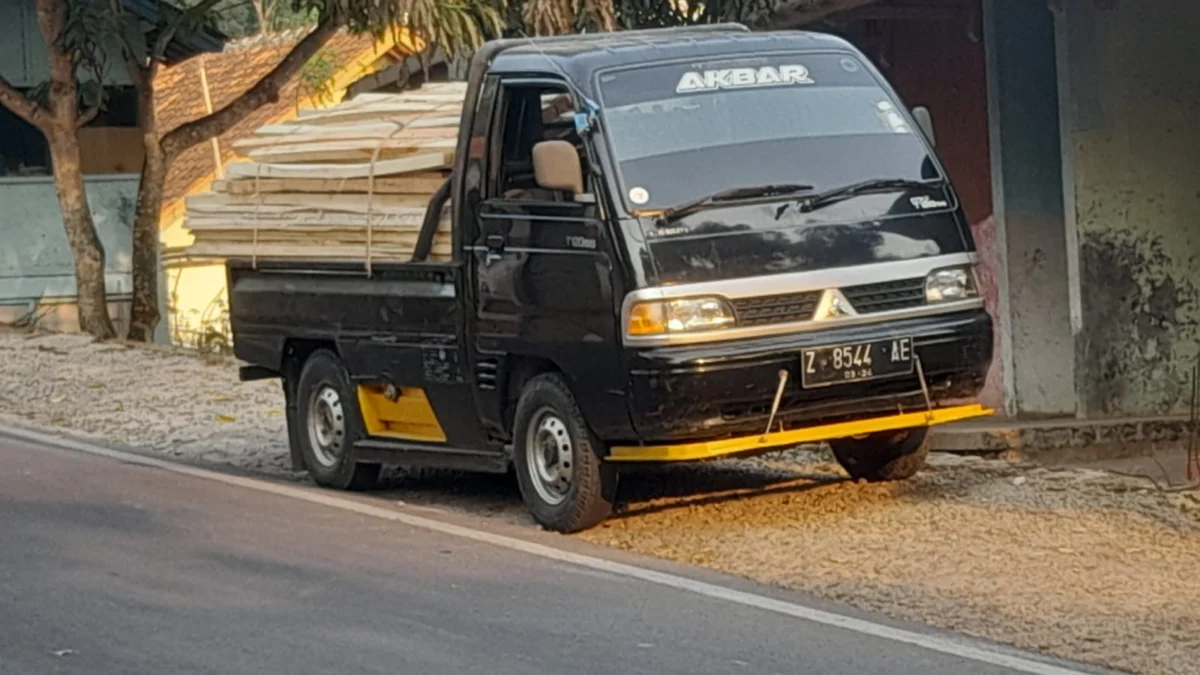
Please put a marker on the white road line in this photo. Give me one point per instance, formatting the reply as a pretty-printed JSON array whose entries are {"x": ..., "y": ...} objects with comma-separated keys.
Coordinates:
[{"x": 945, "y": 645}]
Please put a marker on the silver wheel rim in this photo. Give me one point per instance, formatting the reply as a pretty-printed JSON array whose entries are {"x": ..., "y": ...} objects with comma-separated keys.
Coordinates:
[
  {"x": 550, "y": 456},
  {"x": 326, "y": 426}
]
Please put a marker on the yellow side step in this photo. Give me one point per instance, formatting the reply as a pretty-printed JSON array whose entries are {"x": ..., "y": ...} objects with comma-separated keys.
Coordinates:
[{"x": 781, "y": 439}]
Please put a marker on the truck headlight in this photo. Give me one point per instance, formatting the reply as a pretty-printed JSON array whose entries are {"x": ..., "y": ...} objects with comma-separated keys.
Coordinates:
[
  {"x": 949, "y": 284},
  {"x": 660, "y": 317}
]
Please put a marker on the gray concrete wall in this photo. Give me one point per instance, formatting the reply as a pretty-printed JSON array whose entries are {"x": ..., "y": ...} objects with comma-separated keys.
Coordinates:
[
  {"x": 37, "y": 273},
  {"x": 1134, "y": 154},
  {"x": 1027, "y": 172}
]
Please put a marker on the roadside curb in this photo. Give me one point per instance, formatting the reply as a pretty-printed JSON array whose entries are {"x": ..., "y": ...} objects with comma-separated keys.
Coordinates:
[
  {"x": 64, "y": 438},
  {"x": 67, "y": 439},
  {"x": 1078, "y": 440}
]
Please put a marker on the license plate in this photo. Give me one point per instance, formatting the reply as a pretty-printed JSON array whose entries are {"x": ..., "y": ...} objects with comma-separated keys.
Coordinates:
[{"x": 855, "y": 362}]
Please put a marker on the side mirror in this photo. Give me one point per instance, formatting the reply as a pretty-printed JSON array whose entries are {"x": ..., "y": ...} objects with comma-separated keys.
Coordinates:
[
  {"x": 925, "y": 121},
  {"x": 556, "y": 167}
]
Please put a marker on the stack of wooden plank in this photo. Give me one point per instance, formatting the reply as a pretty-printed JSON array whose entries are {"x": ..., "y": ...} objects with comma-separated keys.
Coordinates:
[{"x": 350, "y": 182}]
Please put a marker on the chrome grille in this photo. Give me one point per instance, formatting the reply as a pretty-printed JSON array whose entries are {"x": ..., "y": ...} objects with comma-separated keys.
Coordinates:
[
  {"x": 771, "y": 309},
  {"x": 886, "y": 296}
]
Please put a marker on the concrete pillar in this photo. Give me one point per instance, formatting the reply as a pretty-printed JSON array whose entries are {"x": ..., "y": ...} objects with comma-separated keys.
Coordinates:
[
  {"x": 1027, "y": 178},
  {"x": 1131, "y": 92}
]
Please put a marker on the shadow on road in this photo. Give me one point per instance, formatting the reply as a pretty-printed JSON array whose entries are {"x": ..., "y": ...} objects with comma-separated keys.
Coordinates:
[
  {"x": 655, "y": 504},
  {"x": 643, "y": 491}
]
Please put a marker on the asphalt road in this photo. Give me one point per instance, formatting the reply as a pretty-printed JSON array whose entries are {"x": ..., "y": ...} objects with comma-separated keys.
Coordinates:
[{"x": 108, "y": 567}]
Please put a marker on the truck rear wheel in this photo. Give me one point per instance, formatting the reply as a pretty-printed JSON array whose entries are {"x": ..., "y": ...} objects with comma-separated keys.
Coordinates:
[
  {"x": 564, "y": 480},
  {"x": 885, "y": 456},
  {"x": 329, "y": 425}
]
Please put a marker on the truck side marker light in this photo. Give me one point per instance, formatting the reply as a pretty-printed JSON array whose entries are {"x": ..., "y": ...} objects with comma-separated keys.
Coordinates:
[{"x": 783, "y": 378}]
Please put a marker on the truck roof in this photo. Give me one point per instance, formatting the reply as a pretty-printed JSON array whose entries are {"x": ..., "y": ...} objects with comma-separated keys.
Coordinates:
[{"x": 580, "y": 56}]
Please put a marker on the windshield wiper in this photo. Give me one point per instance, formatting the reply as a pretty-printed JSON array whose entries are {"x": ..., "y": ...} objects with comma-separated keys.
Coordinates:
[
  {"x": 736, "y": 194},
  {"x": 839, "y": 194}
]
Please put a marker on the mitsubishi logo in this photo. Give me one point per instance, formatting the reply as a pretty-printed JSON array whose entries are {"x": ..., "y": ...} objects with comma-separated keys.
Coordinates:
[{"x": 833, "y": 305}]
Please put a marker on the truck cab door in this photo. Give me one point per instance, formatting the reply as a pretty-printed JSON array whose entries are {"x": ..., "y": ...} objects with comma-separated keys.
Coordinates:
[{"x": 542, "y": 268}]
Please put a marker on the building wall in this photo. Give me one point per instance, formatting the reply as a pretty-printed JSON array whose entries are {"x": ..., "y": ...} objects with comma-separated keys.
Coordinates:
[
  {"x": 198, "y": 305},
  {"x": 940, "y": 63},
  {"x": 196, "y": 296},
  {"x": 1134, "y": 91},
  {"x": 1027, "y": 175},
  {"x": 37, "y": 272}
]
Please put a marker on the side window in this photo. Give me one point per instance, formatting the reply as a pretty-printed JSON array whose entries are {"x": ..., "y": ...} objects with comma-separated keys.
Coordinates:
[{"x": 527, "y": 115}]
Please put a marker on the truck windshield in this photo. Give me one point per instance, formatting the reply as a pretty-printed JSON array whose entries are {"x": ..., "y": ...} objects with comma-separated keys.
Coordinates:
[{"x": 682, "y": 131}]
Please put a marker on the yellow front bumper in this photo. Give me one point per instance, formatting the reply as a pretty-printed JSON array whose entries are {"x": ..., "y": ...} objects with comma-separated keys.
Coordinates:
[{"x": 777, "y": 440}]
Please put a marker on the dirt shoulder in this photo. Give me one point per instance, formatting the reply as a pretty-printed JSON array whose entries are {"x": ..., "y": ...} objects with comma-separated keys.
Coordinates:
[{"x": 1078, "y": 563}]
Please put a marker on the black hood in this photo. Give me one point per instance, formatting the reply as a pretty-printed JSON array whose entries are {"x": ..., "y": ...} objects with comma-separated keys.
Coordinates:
[{"x": 776, "y": 238}]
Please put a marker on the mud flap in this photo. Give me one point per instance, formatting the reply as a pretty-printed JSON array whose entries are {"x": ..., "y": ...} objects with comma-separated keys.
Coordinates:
[{"x": 292, "y": 414}]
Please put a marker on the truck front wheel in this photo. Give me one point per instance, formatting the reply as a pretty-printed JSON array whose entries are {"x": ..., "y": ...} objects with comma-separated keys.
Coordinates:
[
  {"x": 329, "y": 424},
  {"x": 885, "y": 456},
  {"x": 564, "y": 480}
]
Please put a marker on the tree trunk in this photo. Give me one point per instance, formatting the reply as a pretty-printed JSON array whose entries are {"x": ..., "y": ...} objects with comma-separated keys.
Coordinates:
[
  {"x": 144, "y": 317},
  {"x": 62, "y": 135},
  {"x": 92, "y": 302}
]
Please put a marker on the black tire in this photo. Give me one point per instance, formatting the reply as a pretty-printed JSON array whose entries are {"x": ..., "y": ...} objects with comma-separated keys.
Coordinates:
[
  {"x": 885, "y": 456},
  {"x": 591, "y": 484},
  {"x": 323, "y": 373}
]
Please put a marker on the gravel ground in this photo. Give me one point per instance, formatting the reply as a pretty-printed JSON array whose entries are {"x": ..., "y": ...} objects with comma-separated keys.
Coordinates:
[
  {"x": 161, "y": 399},
  {"x": 1077, "y": 563}
]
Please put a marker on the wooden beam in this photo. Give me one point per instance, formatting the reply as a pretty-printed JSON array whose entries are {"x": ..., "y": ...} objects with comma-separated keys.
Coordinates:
[
  {"x": 197, "y": 222},
  {"x": 416, "y": 184},
  {"x": 422, "y": 162},
  {"x": 303, "y": 195},
  {"x": 378, "y": 253},
  {"x": 337, "y": 152},
  {"x": 342, "y": 236},
  {"x": 396, "y": 137},
  {"x": 210, "y": 203}
]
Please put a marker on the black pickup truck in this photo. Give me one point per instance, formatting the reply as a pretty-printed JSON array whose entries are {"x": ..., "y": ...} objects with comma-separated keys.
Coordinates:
[{"x": 731, "y": 242}]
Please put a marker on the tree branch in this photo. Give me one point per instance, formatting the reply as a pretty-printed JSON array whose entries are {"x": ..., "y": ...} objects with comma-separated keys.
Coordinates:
[
  {"x": 24, "y": 108},
  {"x": 87, "y": 116},
  {"x": 266, "y": 90}
]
